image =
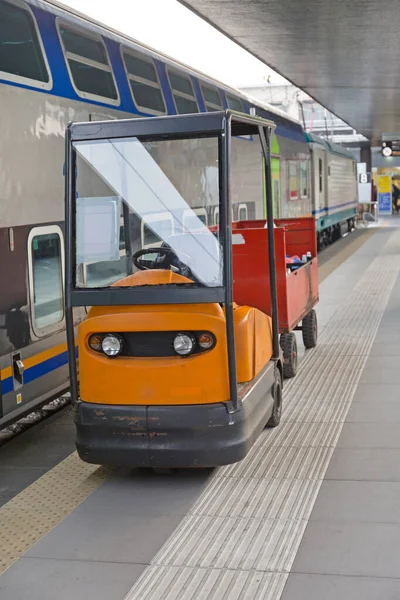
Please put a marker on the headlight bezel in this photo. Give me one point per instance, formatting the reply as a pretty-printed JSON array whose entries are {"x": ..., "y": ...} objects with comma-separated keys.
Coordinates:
[
  {"x": 96, "y": 341},
  {"x": 118, "y": 339},
  {"x": 182, "y": 337}
]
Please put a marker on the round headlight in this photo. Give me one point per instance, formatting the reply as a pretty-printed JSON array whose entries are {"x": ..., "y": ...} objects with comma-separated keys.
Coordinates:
[
  {"x": 184, "y": 344},
  {"x": 206, "y": 341},
  {"x": 111, "y": 345}
]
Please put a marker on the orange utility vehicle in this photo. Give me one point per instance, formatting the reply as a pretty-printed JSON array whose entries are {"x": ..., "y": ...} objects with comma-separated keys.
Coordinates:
[{"x": 172, "y": 373}]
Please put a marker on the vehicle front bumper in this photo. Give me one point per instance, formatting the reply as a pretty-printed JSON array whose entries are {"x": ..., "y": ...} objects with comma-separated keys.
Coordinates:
[{"x": 205, "y": 435}]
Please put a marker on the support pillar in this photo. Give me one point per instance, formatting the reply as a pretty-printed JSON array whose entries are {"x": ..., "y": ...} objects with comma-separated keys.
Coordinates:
[{"x": 366, "y": 157}]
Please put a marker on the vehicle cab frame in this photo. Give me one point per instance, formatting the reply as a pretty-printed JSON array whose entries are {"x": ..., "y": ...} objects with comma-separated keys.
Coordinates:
[{"x": 182, "y": 434}]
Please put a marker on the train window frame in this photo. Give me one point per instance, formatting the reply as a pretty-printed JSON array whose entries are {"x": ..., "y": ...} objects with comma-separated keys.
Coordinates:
[
  {"x": 242, "y": 206},
  {"x": 304, "y": 163},
  {"x": 174, "y": 92},
  {"x": 14, "y": 78},
  {"x": 236, "y": 98},
  {"x": 207, "y": 104},
  {"x": 216, "y": 215},
  {"x": 54, "y": 327},
  {"x": 61, "y": 23},
  {"x": 290, "y": 164},
  {"x": 130, "y": 76}
]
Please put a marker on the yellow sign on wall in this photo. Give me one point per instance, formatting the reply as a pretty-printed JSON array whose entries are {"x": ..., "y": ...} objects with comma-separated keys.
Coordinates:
[{"x": 384, "y": 184}]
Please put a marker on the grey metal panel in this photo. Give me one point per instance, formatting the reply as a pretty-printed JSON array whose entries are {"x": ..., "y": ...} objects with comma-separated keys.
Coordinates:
[{"x": 341, "y": 53}]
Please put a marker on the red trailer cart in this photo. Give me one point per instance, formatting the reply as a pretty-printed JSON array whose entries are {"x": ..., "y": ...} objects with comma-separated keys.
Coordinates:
[{"x": 297, "y": 288}]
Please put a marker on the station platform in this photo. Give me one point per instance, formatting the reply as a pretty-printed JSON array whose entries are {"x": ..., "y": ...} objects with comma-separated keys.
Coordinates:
[{"x": 312, "y": 513}]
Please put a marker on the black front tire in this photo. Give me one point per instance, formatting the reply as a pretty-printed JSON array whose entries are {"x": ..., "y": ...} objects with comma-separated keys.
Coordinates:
[
  {"x": 289, "y": 348},
  {"x": 310, "y": 329},
  {"x": 275, "y": 418}
]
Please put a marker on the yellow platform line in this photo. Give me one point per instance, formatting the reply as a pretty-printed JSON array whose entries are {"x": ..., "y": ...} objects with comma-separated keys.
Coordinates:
[{"x": 41, "y": 506}]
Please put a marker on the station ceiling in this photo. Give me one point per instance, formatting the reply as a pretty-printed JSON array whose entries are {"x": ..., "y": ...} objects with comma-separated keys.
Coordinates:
[{"x": 343, "y": 53}]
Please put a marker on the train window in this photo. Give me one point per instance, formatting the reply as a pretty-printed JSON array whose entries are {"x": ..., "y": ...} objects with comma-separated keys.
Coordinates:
[
  {"x": 320, "y": 174},
  {"x": 21, "y": 52},
  {"x": 183, "y": 93},
  {"x": 234, "y": 103},
  {"x": 46, "y": 260},
  {"x": 242, "y": 213},
  {"x": 144, "y": 82},
  {"x": 88, "y": 65},
  {"x": 303, "y": 179},
  {"x": 212, "y": 99},
  {"x": 293, "y": 180}
]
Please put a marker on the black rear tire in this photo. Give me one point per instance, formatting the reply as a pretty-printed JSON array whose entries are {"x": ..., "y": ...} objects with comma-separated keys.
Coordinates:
[
  {"x": 289, "y": 348},
  {"x": 310, "y": 329},
  {"x": 275, "y": 418}
]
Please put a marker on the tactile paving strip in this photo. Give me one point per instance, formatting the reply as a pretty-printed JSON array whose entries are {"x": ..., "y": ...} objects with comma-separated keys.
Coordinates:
[
  {"x": 242, "y": 535},
  {"x": 36, "y": 510},
  {"x": 185, "y": 583}
]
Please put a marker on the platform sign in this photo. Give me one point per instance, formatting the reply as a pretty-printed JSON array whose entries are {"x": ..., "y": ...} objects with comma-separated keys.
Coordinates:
[
  {"x": 384, "y": 195},
  {"x": 364, "y": 178},
  {"x": 364, "y": 185}
]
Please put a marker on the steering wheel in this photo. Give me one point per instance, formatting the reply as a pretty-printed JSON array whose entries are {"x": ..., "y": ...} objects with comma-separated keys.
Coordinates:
[{"x": 165, "y": 263}]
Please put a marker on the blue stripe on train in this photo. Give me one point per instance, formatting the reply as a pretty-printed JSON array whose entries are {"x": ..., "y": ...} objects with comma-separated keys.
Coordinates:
[
  {"x": 43, "y": 368},
  {"x": 7, "y": 386}
]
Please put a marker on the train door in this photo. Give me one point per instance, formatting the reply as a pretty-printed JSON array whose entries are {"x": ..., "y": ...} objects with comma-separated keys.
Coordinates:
[{"x": 319, "y": 183}]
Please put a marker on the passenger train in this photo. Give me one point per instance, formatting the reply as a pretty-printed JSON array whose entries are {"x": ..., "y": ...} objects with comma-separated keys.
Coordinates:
[{"x": 57, "y": 66}]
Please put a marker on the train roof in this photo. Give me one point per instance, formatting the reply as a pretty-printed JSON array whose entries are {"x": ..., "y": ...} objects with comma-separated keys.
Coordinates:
[
  {"x": 331, "y": 147},
  {"x": 60, "y": 9}
]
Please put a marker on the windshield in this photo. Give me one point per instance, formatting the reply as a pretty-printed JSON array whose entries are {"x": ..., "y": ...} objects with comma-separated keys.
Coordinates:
[{"x": 145, "y": 205}]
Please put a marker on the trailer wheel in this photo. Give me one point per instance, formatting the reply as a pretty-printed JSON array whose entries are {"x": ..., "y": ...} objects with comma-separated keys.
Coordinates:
[
  {"x": 275, "y": 418},
  {"x": 310, "y": 329},
  {"x": 289, "y": 348}
]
